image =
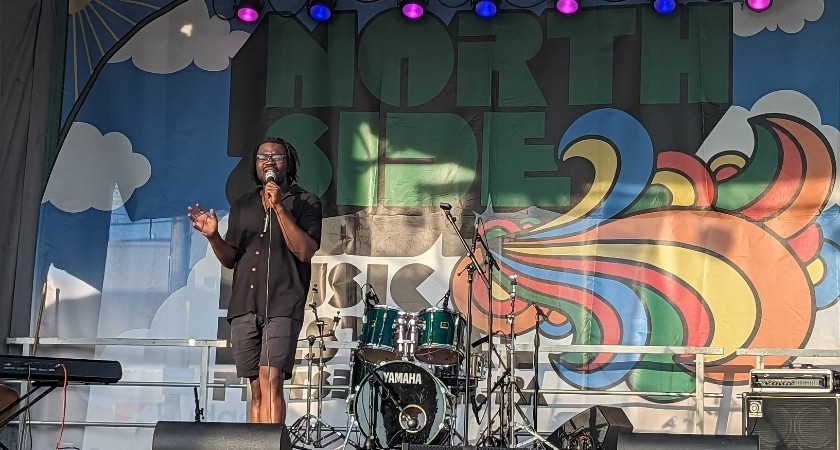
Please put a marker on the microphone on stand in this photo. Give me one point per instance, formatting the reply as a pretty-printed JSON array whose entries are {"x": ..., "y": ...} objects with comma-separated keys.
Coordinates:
[
  {"x": 446, "y": 299},
  {"x": 476, "y": 236},
  {"x": 371, "y": 299},
  {"x": 445, "y": 206},
  {"x": 336, "y": 321}
]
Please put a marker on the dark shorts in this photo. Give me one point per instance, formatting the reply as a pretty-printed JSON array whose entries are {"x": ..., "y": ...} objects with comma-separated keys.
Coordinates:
[{"x": 259, "y": 343}]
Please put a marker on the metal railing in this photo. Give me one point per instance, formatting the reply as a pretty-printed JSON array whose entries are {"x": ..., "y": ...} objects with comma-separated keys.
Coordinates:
[
  {"x": 204, "y": 384},
  {"x": 761, "y": 353}
]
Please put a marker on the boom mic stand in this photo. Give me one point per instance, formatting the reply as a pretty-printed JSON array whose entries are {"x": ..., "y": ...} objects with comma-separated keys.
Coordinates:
[
  {"x": 303, "y": 427},
  {"x": 446, "y": 207},
  {"x": 540, "y": 315},
  {"x": 489, "y": 264}
]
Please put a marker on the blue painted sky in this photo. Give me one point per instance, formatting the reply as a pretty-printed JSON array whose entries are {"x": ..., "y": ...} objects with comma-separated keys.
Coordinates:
[
  {"x": 808, "y": 62},
  {"x": 179, "y": 123}
]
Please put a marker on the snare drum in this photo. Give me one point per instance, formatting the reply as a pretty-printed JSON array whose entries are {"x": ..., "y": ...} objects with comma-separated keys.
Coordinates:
[
  {"x": 440, "y": 336},
  {"x": 380, "y": 332},
  {"x": 453, "y": 376}
]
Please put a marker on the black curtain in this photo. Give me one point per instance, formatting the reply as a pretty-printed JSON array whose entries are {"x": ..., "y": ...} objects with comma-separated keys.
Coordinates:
[{"x": 32, "y": 36}]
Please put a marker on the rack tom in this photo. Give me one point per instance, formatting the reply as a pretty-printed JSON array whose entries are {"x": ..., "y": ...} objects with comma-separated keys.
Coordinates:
[
  {"x": 440, "y": 337},
  {"x": 381, "y": 331}
]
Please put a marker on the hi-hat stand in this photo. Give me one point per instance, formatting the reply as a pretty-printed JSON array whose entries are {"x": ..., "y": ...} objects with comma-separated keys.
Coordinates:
[
  {"x": 508, "y": 408},
  {"x": 310, "y": 429}
]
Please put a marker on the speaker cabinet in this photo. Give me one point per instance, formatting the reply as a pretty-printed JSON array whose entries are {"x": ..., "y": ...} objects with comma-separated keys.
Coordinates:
[
  {"x": 792, "y": 421},
  {"x": 598, "y": 424},
  {"x": 220, "y": 436},
  {"x": 653, "y": 441}
]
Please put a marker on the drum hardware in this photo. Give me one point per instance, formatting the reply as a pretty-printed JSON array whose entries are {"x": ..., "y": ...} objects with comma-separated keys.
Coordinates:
[
  {"x": 406, "y": 331},
  {"x": 302, "y": 429}
]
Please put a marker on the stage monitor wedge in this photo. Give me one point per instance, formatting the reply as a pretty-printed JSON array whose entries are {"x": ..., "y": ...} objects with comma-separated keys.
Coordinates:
[
  {"x": 220, "y": 436},
  {"x": 598, "y": 424}
]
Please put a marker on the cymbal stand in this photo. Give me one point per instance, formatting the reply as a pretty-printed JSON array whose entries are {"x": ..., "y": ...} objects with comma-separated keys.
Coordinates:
[{"x": 303, "y": 427}]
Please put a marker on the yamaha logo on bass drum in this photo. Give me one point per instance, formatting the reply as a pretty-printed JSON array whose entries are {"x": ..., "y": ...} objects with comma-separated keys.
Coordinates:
[{"x": 401, "y": 378}]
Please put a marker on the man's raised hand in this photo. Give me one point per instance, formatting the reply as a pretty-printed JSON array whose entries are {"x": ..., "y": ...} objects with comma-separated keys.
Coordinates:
[{"x": 205, "y": 222}]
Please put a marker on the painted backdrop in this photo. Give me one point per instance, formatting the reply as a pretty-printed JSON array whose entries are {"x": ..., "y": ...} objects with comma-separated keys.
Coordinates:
[{"x": 650, "y": 180}]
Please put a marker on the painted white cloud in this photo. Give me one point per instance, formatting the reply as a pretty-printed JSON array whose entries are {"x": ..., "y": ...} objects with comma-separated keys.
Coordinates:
[
  {"x": 188, "y": 33},
  {"x": 734, "y": 133},
  {"x": 786, "y": 15},
  {"x": 89, "y": 167}
]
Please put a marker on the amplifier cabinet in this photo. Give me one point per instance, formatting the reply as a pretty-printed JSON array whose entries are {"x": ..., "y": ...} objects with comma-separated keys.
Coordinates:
[{"x": 794, "y": 421}]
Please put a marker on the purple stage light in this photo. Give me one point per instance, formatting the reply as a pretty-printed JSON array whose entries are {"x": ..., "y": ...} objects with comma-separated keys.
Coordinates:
[
  {"x": 246, "y": 14},
  {"x": 413, "y": 10},
  {"x": 567, "y": 6},
  {"x": 758, "y": 5}
]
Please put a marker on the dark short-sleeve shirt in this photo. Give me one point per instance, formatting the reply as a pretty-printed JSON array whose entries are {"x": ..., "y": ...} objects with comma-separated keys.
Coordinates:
[{"x": 285, "y": 281}]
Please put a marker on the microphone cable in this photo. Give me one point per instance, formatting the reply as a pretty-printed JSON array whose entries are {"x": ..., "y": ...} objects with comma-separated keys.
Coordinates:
[{"x": 265, "y": 337}]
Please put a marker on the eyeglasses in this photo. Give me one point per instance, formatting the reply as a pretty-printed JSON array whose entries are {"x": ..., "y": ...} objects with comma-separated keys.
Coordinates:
[{"x": 276, "y": 158}]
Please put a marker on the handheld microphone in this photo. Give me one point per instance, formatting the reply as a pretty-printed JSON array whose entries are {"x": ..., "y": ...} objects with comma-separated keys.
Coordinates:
[{"x": 270, "y": 176}]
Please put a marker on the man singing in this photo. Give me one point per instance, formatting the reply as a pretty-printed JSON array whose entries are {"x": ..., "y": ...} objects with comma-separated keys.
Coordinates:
[{"x": 273, "y": 232}]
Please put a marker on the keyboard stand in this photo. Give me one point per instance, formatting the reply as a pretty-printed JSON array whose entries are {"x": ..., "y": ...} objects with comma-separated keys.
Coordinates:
[{"x": 35, "y": 388}]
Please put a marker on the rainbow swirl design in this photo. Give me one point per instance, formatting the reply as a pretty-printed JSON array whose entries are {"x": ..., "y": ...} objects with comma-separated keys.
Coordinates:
[{"x": 670, "y": 250}]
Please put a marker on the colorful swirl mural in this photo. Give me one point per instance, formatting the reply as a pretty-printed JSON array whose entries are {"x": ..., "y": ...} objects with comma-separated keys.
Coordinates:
[{"x": 668, "y": 249}]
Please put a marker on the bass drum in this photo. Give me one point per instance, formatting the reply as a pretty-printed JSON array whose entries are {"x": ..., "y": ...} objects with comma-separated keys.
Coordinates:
[
  {"x": 359, "y": 369},
  {"x": 420, "y": 394}
]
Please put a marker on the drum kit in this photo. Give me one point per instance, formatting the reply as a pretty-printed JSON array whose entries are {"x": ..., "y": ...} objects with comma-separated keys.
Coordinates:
[
  {"x": 411, "y": 371},
  {"x": 407, "y": 374}
]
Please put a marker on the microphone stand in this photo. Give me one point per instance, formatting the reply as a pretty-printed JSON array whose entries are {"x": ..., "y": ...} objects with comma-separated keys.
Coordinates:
[
  {"x": 489, "y": 264},
  {"x": 471, "y": 268},
  {"x": 306, "y": 435},
  {"x": 540, "y": 315},
  {"x": 199, "y": 411}
]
